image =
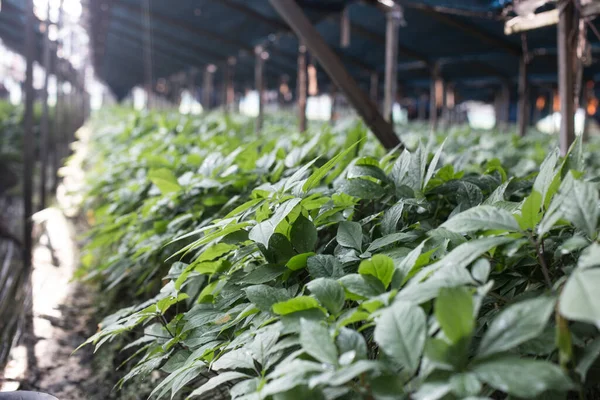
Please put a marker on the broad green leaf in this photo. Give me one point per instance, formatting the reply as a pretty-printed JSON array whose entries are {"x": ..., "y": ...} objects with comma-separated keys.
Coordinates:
[
  {"x": 262, "y": 232},
  {"x": 317, "y": 342},
  {"x": 363, "y": 189},
  {"x": 303, "y": 235},
  {"x": 217, "y": 381},
  {"x": 379, "y": 266},
  {"x": 315, "y": 178},
  {"x": 299, "y": 261},
  {"x": 164, "y": 179},
  {"x": 530, "y": 211},
  {"x": 591, "y": 354},
  {"x": 546, "y": 175},
  {"x": 264, "y": 296},
  {"x": 465, "y": 384},
  {"x": 454, "y": 313},
  {"x": 362, "y": 286},
  {"x": 329, "y": 293},
  {"x": 522, "y": 377},
  {"x": 235, "y": 359},
  {"x": 579, "y": 300},
  {"x": 391, "y": 217},
  {"x": 590, "y": 257},
  {"x": 516, "y": 324},
  {"x": 581, "y": 208},
  {"x": 299, "y": 303},
  {"x": 349, "y": 340},
  {"x": 482, "y": 218},
  {"x": 400, "y": 332},
  {"x": 324, "y": 266},
  {"x": 349, "y": 235},
  {"x": 398, "y": 237},
  {"x": 433, "y": 165}
]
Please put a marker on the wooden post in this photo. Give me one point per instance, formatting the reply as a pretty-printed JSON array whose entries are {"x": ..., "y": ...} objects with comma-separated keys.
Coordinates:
[
  {"x": 374, "y": 87},
  {"x": 434, "y": 96},
  {"x": 345, "y": 28},
  {"x": 229, "y": 89},
  {"x": 300, "y": 24},
  {"x": 28, "y": 138},
  {"x": 522, "y": 116},
  {"x": 45, "y": 122},
  {"x": 566, "y": 60},
  {"x": 302, "y": 87},
  {"x": 259, "y": 84},
  {"x": 333, "y": 94},
  {"x": 391, "y": 62},
  {"x": 207, "y": 90},
  {"x": 422, "y": 107}
]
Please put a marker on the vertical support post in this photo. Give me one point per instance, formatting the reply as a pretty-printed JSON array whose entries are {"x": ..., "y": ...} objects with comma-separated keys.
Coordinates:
[
  {"x": 522, "y": 116},
  {"x": 228, "y": 84},
  {"x": 435, "y": 96},
  {"x": 422, "y": 107},
  {"x": 302, "y": 87},
  {"x": 345, "y": 28},
  {"x": 207, "y": 90},
  {"x": 45, "y": 121},
  {"x": 566, "y": 59},
  {"x": 28, "y": 138},
  {"x": 374, "y": 87},
  {"x": 333, "y": 95},
  {"x": 147, "y": 51},
  {"x": 293, "y": 14},
  {"x": 391, "y": 61},
  {"x": 259, "y": 85}
]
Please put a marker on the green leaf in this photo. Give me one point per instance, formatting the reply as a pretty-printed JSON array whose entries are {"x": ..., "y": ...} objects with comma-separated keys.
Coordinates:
[
  {"x": 591, "y": 353},
  {"x": 530, "y": 211},
  {"x": 433, "y": 165},
  {"x": 349, "y": 235},
  {"x": 516, "y": 324},
  {"x": 522, "y": 377},
  {"x": 314, "y": 180},
  {"x": 303, "y": 235},
  {"x": 264, "y": 296},
  {"x": 299, "y": 261},
  {"x": 235, "y": 359},
  {"x": 465, "y": 384},
  {"x": 262, "y": 232},
  {"x": 217, "y": 381},
  {"x": 164, "y": 179},
  {"x": 400, "y": 332},
  {"x": 379, "y": 266},
  {"x": 590, "y": 257},
  {"x": 543, "y": 181},
  {"x": 317, "y": 342},
  {"x": 581, "y": 208},
  {"x": 579, "y": 300},
  {"x": 398, "y": 237},
  {"x": 299, "y": 303},
  {"x": 482, "y": 218},
  {"x": 329, "y": 293},
  {"x": 362, "y": 189},
  {"x": 454, "y": 312},
  {"x": 391, "y": 217},
  {"x": 362, "y": 286},
  {"x": 324, "y": 266}
]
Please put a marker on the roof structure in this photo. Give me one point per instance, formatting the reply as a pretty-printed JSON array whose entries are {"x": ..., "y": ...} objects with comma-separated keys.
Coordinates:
[
  {"x": 465, "y": 37},
  {"x": 12, "y": 28}
]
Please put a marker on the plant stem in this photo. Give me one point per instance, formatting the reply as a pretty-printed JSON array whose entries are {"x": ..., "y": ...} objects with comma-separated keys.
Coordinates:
[{"x": 540, "y": 256}]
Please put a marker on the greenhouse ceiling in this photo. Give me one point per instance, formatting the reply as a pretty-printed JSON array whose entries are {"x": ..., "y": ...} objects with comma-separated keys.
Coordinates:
[{"x": 465, "y": 38}]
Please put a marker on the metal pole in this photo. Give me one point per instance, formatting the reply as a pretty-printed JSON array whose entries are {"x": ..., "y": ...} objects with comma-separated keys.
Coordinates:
[
  {"x": 391, "y": 62},
  {"x": 300, "y": 24},
  {"x": 345, "y": 28},
  {"x": 566, "y": 59},
  {"x": 259, "y": 84},
  {"x": 28, "y": 138},
  {"x": 302, "y": 87},
  {"x": 523, "y": 97}
]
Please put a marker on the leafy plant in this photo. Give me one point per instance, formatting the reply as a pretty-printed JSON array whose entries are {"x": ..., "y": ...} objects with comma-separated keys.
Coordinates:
[{"x": 318, "y": 266}]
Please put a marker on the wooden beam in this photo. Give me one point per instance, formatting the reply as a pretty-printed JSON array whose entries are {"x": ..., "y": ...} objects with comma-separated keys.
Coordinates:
[
  {"x": 302, "y": 87},
  {"x": 530, "y": 22},
  {"x": 523, "y": 111},
  {"x": 468, "y": 28},
  {"x": 28, "y": 138},
  {"x": 345, "y": 28},
  {"x": 566, "y": 60},
  {"x": 391, "y": 62},
  {"x": 259, "y": 85},
  {"x": 295, "y": 17},
  {"x": 253, "y": 14}
]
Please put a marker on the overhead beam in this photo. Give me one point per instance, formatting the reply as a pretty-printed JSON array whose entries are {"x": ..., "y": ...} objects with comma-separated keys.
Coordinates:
[
  {"x": 300, "y": 24},
  {"x": 254, "y": 15}
]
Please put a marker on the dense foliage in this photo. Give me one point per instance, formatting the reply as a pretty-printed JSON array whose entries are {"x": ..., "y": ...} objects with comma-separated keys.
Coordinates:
[{"x": 292, "y": 266}]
